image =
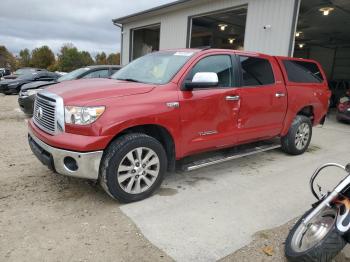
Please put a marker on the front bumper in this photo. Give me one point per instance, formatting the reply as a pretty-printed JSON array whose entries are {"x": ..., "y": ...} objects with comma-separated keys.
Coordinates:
[
  {"x": 87, "y": 164},
  {"x": 26, "y": 103}
]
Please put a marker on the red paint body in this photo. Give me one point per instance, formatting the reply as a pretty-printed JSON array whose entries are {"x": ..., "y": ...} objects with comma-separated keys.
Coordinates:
[{"x": 258, "y": 115}]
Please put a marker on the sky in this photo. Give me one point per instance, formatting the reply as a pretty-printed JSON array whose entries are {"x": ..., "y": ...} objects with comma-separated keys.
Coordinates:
[{"x": 87, "y": 24}]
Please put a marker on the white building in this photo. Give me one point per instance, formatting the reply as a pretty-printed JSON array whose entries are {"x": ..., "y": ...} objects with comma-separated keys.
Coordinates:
[{"x": 318, "y": 29}]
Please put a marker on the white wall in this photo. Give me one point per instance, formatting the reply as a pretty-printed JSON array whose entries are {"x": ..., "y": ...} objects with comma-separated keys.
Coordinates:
[{"x": 277, "y": 13}]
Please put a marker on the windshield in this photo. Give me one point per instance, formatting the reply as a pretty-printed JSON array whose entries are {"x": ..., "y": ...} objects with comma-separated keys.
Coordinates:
[
  {"x": 155, "y": 68},
  {"x": 24, "y": 71},
  {"x": 73, "y": 75},
  {"x": 27, "y": 75}
]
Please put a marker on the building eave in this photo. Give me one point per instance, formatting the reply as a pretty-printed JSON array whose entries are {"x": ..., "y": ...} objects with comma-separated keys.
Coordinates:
[{"x": 124, "y": 19}]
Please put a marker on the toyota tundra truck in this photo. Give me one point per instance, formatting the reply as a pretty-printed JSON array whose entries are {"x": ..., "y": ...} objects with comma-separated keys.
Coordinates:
[{"x": 128, "y": 131}]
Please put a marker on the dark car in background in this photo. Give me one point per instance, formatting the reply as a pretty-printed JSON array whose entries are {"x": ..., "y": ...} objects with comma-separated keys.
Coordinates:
[
  {"x": 4, "y": 72},
  {"x": 343, "y": 108},
  {"x": 13, "y": 86},
  {"x": 24, "y": 71},
  {"x": 28, "y": 92}
]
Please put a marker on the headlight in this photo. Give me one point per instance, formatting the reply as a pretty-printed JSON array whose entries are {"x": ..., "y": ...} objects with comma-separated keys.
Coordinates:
[
  {"x": 31, "y": 92},
  {"x": 82, "y": 115},
  {"x": 13, "y": 84}
]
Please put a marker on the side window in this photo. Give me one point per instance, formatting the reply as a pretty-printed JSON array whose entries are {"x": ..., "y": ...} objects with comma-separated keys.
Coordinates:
[
  {"x": 303, "y": 72},
  {"x": 98, "y": 74},
  {"x": 256, "y": 71},
  {"x": 114, "y": 70},
  {"x": 219, "y": 64}
]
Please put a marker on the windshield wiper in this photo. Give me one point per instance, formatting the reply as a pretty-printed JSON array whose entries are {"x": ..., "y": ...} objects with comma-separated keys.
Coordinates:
[{"x": 130, "y": 80}]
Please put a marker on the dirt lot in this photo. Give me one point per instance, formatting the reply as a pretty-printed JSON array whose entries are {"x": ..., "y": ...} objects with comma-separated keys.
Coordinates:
[{"x": 47, "y": 217}]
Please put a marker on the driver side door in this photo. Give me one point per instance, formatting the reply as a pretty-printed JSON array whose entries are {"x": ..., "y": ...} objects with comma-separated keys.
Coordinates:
[{"x": 209, "y": 113}]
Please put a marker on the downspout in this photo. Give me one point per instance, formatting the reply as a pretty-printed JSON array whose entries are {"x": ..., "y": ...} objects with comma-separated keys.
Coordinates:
[{"x": 121, "y": 40}]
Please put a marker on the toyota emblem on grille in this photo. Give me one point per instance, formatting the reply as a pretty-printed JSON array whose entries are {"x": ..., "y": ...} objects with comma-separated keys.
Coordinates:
[{"x": 39, "y": 113}]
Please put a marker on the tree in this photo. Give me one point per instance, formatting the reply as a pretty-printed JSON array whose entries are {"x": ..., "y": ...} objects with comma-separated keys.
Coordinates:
[
  {"x": 24, "y": 59},
  {"x": 42, "y": 57},
  {"x": 113, "y": 59},
  {"x": 86, "y": 58},
  {"x": 101, "y": 58},
  {"x": 7, "y": 59},
  {"x": 70, "y": 58}
]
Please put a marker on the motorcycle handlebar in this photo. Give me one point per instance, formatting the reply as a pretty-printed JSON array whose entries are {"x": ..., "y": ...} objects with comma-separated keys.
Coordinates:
[{"x": 317, "y": 172}]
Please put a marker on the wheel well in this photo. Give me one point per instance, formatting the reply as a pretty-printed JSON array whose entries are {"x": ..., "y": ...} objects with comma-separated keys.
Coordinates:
[
  {"x": 161, "y": 134},
  {"x": 307, "y": 111}
]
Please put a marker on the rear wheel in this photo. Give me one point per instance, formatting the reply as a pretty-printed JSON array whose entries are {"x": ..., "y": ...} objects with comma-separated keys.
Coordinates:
[
  {"x": 133, "y": 167},
  {"x": 299, "y": 136},
  {"x": 317, "y": 241}
]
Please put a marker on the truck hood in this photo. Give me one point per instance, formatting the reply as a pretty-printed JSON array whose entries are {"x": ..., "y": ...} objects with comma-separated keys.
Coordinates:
[{"x": 80, "y": 92}]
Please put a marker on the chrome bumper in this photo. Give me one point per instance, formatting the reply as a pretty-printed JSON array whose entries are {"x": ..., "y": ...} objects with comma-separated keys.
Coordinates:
[{"x": 88, "y": 164}]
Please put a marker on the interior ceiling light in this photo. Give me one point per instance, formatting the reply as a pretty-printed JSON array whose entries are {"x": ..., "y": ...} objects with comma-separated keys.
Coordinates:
[
  {"x": 297, "y": 34},
  {"x": 223, "y": 27},
  {"x": 231, "y": 40},
  {"x": 301, "y": 45},
  {"x": 326, "y": 10}
]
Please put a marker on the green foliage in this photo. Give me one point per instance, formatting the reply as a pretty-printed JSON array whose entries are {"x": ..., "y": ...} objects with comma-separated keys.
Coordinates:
[
  {"x": 113, "y": 59},
  {"x": 86, "y": 58},
  {"x": 6, "y": 59},
  {"x": 24, "y": 58},
  {"x": 70, "y": 58},
  {"x": 42, "y": 57},
  {"x": 101, "y": 59}
]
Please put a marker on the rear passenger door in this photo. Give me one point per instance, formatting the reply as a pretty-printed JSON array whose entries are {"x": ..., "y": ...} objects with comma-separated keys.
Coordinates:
[{"x": 263, "y": 98}]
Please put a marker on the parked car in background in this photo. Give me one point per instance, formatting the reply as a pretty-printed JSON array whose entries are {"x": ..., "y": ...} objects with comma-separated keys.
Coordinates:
[
  {"x": 343, "y": 108},
  {"x": 338, "y": 89},
  {"x": 4, "y": 72},
  {"x": 13, "y": 86},
  {"x": 24, "y": 71},
  {"x": 28, "y": 91},
  {"x": 126, "y": 132}
]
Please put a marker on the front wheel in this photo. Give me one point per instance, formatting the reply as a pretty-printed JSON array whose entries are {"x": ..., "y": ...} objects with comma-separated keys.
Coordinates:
[
  {"x": 133, "y": 167},
  {"x": 318, "y": 241}
]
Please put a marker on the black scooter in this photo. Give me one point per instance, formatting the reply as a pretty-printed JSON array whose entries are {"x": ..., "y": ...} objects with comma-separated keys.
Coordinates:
[{"x": 323, "y": 231}]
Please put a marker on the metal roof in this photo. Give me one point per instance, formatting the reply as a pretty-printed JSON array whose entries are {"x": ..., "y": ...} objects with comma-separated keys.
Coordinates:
[{"x": 121, "y": 20}]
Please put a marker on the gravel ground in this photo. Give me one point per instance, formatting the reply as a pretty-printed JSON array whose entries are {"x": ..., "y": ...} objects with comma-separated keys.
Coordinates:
[{"x": 47, "y": 217}]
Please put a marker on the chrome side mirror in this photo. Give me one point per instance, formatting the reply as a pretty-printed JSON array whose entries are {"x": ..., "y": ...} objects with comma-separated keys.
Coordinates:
[{"x": 202, "y": 80}]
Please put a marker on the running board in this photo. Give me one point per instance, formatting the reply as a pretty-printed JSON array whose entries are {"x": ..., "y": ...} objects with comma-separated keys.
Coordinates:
[{"x": 208, "y": 159}]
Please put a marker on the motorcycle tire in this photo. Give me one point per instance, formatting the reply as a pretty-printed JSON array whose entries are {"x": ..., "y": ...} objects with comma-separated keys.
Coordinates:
[{"x": 324, "y": 250}]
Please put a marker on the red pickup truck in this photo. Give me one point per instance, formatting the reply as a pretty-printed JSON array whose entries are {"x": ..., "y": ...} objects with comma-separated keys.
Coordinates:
[{"x": 128, "y": 131}]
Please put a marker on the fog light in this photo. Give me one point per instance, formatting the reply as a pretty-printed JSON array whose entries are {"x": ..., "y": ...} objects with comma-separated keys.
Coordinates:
[{"x": 70, "y": 163}]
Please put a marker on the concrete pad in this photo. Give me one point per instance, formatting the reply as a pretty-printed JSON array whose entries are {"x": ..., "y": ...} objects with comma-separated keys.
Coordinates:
[{"x": 210, "y": 213}]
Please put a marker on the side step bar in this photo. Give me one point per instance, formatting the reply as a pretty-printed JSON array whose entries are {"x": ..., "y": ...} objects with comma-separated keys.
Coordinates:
[{"x": 208, "y": 159}]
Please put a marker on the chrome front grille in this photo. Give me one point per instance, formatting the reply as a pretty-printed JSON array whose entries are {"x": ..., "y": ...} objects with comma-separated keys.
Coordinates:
[{"x": 44, "y": 114}]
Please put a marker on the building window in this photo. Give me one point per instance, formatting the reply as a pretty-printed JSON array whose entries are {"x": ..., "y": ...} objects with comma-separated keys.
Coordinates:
[
  {"x": 144, "y": 40},
  {"x": 225, "y": 29}
]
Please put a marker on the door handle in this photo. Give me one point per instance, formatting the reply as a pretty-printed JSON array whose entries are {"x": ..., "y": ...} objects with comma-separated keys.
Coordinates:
[
  {"x": 279, "y": 95},
  {"x": 232, "y": 98}
]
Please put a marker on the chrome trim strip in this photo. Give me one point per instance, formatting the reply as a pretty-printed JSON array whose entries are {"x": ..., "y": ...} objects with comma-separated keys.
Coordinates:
[{"x": 236, "y": 156}]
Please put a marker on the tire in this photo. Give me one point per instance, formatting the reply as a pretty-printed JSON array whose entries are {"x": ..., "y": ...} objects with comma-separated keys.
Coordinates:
[
  {"x": 325, "y": 250},
  {"x": 116, "y": 157},
  {"x": 289, "y": 142}
]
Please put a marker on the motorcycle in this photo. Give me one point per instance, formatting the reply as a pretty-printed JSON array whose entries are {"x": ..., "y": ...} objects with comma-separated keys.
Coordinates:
[{"x": 323, "y": 231}]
